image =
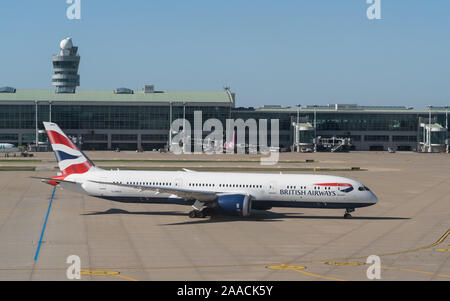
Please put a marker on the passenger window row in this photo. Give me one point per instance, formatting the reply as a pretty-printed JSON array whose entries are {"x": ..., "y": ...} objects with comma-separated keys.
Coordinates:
[
  {"x": 147, "y": 183},
  {"x": 191, "y": 184},
  {"x": 295, "y": 187},
  {"x": 224, "y": 185}
]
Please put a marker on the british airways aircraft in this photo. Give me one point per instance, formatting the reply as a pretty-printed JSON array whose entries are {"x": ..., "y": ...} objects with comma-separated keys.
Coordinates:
[{"x": 208, "y": 193}]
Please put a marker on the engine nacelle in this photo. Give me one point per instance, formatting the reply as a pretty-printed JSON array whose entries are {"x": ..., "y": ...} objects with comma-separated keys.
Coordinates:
[{"x": 235, "y": 204}]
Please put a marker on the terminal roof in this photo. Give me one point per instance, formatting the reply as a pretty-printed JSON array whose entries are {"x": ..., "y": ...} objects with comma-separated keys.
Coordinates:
[{"x": 110, "y": 96}]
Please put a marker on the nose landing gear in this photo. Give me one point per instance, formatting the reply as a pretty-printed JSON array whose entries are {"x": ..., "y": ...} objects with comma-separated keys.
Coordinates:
[{"x": 347, "y": 214}]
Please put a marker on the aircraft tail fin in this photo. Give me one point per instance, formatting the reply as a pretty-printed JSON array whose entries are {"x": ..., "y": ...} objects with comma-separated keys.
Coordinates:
[{"x": 70, "y": 159}]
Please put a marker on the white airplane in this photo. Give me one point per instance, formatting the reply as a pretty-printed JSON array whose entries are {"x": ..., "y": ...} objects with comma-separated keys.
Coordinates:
[
  {"x": 6, "y": 148},
  {"x": 208, "y": 193}
]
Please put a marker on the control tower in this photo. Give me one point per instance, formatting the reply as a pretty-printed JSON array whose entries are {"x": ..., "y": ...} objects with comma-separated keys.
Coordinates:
[{"x": 65, "y": 67}]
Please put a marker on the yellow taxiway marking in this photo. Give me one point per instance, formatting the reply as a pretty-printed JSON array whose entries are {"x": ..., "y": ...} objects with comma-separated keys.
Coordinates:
[
  {"x": 415, "y": 271},
  {"x": 300, "y": 269},
  {"x": 127, "y": 278},
  {"x": 390, "y": 268},
  {"x": 441, "y": 240},
  {"x": 273, "y": 266},
  {"x": 320, "y": 276},
  {"x": 98, "y": 273},
  {"x": 193, "y": 267},
  {"x": 286, "y": 267},
  {"x": 344, "y": 263},
  {"x": 105, "y": 273},
  {"x": 147, "y": 268},
  {"x": 84, "y": 272}
]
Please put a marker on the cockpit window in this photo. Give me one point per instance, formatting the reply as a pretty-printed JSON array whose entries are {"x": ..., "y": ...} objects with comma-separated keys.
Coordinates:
[{"x": 363, "y": 188}]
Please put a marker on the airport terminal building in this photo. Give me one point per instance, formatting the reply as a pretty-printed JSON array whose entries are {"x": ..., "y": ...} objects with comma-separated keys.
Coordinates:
[
  {"x": 369, "y": 128},
  {"x": 105, "y": 120}
]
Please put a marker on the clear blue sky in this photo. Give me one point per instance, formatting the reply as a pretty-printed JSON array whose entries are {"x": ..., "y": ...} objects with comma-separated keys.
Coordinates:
[{"x": 270, "y": 52}]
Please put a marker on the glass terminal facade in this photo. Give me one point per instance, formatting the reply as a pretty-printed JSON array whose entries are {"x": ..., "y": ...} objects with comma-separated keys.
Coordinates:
[
  {"x": 369, "y": 128},
  {"x": 103, "y": 120}
]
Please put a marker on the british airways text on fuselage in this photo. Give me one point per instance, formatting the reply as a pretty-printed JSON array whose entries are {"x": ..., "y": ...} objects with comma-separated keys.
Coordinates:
[{"x": 307, "y": 192}]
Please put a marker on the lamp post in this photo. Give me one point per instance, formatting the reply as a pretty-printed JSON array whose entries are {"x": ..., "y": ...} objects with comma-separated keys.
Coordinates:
[
  {"x": 446, "y": 117},
  {"x": 297, "y": 138},
  {"x": 446, "y": 127},
  {"x": 170, "y": 125},
  {"x": 50, "y": 111},
  {"x": 315, "y": 122},
  {"x": 429, "y": 129},
  {"x": 36, "y": 124},
  {"x": 184, "y": 126}
]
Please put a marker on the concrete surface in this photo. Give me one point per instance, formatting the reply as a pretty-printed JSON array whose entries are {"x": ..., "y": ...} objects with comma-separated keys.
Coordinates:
[{"x": 159, "y": 242}]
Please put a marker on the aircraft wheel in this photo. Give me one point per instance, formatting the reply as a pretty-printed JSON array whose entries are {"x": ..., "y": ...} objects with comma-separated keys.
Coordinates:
[
  {"x": 193, "y": 214},
  {"x": 208, "y": 212},
  {"x": 347, "y": 216}
]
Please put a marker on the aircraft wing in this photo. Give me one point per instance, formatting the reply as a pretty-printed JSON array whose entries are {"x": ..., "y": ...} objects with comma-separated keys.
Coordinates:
[
  {"x": 53, "y": 180},
  {"x": 190, "y": 195}
]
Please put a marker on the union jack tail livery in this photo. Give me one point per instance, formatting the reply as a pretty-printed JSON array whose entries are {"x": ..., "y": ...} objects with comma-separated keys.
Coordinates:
[{"x": 70, "y": 159}]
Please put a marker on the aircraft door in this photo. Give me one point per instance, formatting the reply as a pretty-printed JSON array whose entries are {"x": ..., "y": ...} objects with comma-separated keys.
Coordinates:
[
  {"x": 102, "y": 187},
  {"x": 272, "y": 188},
  {"x": 178, "y": 183}
]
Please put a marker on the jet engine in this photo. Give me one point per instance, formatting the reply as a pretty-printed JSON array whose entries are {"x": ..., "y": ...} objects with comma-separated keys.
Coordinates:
[{"x": 235, "y": 204}]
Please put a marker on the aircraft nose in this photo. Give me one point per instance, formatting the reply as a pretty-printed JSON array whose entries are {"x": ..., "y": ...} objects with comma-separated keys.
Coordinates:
[{"x": 373, "y": 198}]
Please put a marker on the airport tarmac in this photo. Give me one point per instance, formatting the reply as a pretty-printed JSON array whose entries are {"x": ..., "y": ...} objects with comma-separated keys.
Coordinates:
[{"x": 407, "y": 229}]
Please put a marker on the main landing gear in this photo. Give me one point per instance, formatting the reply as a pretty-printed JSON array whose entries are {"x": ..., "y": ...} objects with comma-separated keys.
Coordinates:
[
  {"x": 347, "y": 214},
  {"x": 201, "y": 213}
]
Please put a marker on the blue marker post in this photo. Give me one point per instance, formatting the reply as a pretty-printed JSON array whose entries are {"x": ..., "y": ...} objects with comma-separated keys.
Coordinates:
[{"x": 45, "y": 224}]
